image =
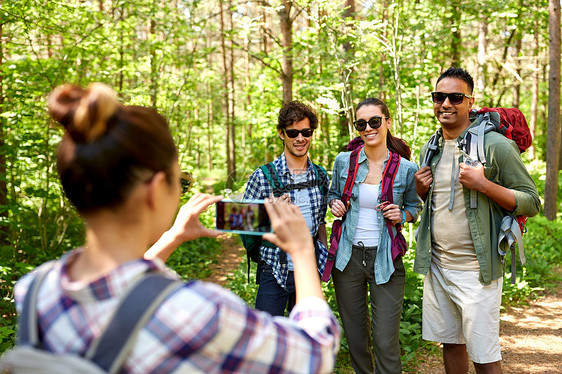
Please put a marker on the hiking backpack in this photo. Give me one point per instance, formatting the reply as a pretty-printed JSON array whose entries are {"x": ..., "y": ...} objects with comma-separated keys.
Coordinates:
[
  {"x": 511, "y": 123},
  {"x": 108, "y": 352},
  {"x": 252, "y": 243}
]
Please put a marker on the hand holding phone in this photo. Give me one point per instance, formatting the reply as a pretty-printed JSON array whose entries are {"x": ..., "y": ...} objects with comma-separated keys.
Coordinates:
[{"x": 247, "y": 217}]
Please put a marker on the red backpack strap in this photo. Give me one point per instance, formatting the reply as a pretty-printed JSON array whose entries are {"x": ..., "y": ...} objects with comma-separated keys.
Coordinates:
[
  {"x": 398, "y": 244},
  {"x": 388, "y": 177},
  {"x": 337, "y": 226},
  {"x": 351, "y": 174}
]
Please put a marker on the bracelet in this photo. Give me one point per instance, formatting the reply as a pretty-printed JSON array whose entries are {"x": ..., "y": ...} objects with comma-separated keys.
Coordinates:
[{"x": 403, "y": 217}]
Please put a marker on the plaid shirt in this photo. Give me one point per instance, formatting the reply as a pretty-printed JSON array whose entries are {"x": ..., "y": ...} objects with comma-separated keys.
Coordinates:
[
  {"x": 200, "y": 328},
  {"x": 258, "y": 187}
]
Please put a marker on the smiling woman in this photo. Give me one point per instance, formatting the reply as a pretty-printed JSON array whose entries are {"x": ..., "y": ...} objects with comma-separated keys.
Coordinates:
[{"x": 365, "y": 263}]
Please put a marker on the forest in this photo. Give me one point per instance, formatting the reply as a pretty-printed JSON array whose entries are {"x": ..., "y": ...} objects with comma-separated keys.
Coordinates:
[{"x": 219, "y": 71}]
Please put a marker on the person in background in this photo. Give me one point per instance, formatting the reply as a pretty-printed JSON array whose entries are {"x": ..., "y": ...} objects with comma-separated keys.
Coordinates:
[
  {"x": 296, "y": 124},
  {"x": 463, "y": 271},
  {"x": 118, "y": 165},
  {"x": 365, "y": 268}
]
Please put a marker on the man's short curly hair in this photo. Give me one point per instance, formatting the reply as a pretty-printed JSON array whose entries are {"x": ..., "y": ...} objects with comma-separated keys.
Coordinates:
[
  {"x": 295, "y": 111},
  {"x": 458, "y": 73}
]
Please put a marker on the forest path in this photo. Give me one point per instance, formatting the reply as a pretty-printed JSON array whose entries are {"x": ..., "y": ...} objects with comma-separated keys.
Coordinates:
[
  {"x": 232, "y": 254},
  {"x": 530, "y": 338},
  {"x": 530, "y": 335}
]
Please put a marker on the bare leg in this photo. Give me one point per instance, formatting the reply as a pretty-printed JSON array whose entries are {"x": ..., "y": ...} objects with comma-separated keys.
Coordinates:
[
  {"x": 490, "y": 368},
  {"x": 455, "y": 358}
]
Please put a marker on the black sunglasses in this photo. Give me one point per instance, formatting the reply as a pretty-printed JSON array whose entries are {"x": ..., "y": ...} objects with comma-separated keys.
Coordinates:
[
  {"x": 455, "y": 98},
  {"x": 375, "y": 122},
  {"x": 292, "y": 133}
]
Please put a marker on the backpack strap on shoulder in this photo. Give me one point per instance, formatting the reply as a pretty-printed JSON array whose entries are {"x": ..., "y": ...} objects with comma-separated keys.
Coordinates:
[
  {"x": 322, "y": 176},
  {"x": 110, "y": 349},
  {"x": 28, "y": 327},
  {"x": 346, "y": 195},
  {"x": 270, "y": 172},
  {"x": 432, "y": 149},
  {"x": 389, "y": 175}
]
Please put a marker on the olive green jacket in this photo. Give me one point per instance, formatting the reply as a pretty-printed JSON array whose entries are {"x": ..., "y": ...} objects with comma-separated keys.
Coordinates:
[{"x": 503, "y": 167}]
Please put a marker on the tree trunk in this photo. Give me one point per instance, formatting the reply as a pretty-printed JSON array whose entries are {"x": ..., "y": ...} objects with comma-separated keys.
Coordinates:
[
  {"x": 347, "y": 74},
  {"x": 287, "y": 44},
  {"x": 535, "y": 95},
  {"x": 210, "y": 106},
  {"x": 482, "y": 54},
  {"x": 456, "y": 33},
  {"x": 517, "y": 82},
  {"x": 153, "y": 62},
  {"x": 4, "y": 229},
  {"x": 553, "y": 139},
  {"x": 231, "y": 101},
  {"x": 384, "y": 19}
]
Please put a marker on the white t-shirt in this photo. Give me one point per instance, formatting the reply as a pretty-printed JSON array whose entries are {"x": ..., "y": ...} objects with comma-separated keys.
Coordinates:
[{"x": 367, "y": 231}]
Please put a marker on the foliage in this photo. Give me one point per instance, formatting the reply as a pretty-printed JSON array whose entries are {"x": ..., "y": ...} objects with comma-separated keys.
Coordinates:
[{"x": 168, "y": 55}]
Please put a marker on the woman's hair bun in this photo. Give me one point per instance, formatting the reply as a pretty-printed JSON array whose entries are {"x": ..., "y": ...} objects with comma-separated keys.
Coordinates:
[{"x": 84, "y": 113}]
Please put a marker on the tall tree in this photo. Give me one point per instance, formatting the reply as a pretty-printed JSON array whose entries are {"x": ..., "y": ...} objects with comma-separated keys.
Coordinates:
[
  {"x": 535, "y": 90},
  {"x": 456, "y": 32},
  {"x": 553, "y": 139},
  {"x": 4, "y": 232},
  {"x": 286, "y": 21}
]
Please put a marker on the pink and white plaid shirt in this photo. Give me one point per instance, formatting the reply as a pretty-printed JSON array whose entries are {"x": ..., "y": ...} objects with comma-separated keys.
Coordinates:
[{"x": 200, "y": 328}]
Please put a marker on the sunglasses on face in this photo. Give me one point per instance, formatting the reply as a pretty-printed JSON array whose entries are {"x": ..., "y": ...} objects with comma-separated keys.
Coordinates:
[
  {"x": 455, "y": 98},
  {"x": 375, "y": 122},
  {"x": 292, "y": 133}
]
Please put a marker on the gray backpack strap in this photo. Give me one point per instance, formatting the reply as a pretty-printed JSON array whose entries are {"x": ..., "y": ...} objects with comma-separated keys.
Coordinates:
[
  {"x": 110, "y": 350},
  {"x": 28, "y": 327},
  {"x": 510, "y": 233}
]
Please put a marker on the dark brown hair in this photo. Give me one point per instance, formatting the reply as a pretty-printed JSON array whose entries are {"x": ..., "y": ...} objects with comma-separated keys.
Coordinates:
[
  {"x": 295, "y": 111},
  {"x": 108, "y": 148},
  {"x": 393, "y": 143}
]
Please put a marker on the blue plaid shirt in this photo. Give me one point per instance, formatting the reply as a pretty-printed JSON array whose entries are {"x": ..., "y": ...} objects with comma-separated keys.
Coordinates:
[{"x": 258, "y": 187}]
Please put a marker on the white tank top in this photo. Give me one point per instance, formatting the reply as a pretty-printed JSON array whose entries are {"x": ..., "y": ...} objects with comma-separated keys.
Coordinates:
[{"x": 367, "y": 230}]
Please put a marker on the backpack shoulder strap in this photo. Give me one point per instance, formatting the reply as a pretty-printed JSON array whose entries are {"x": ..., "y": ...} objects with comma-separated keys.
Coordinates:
[
  {"x": 389, "y": 175},
  {"x": 322, "y": 176},
  {"x": 431, "y": 150},
  {"x": 270, "y": 172},
  {"x": 351, "y": 174},
  {"x": 110, "y": 350},
  {"x": 28, "y": 328}
]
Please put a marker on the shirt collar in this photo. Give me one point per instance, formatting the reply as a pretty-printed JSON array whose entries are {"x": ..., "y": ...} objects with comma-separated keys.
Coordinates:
[{"x": 281, "y": 163}]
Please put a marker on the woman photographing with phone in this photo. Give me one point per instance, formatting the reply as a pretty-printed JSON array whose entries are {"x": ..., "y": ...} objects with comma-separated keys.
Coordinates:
[
  {"x": 364, "y": 264},
  {"x": 118, "y": 165}
]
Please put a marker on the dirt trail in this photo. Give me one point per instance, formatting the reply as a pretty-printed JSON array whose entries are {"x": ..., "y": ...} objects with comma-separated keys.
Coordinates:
[
  {"x": 530, "y": 335},
  {"x": 231, "y": 256}
]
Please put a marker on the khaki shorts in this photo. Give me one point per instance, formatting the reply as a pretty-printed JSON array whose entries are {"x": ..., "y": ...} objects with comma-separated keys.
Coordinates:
[{"x": 458, "y": 309}]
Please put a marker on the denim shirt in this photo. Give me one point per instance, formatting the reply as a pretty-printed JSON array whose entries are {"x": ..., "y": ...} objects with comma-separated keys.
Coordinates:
[{"x": 404, "y": 194}]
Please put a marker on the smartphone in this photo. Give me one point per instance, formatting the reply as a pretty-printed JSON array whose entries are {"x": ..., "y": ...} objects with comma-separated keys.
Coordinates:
[{"x": 247, "y": 217}]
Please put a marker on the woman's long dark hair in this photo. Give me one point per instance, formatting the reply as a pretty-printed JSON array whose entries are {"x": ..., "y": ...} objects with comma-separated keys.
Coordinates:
[{"x": 393, "y": 143}]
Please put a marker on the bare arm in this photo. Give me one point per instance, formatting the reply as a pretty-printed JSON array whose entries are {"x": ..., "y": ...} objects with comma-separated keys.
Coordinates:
[{"x": 186, "y": 227}]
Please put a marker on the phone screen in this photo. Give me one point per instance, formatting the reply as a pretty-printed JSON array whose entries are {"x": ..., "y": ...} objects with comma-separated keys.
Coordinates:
[{"x": 242, "y": 217}]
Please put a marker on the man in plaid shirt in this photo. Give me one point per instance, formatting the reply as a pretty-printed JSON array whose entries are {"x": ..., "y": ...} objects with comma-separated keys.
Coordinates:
[{"x": 296, "y": 124}]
